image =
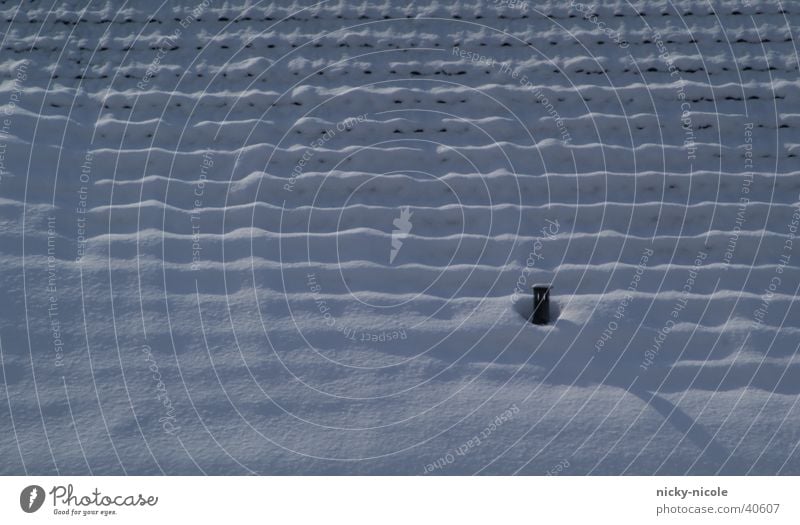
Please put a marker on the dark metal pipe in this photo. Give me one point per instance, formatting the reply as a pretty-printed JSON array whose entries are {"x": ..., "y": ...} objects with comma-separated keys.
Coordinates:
[{"x": 541, "y": 304}]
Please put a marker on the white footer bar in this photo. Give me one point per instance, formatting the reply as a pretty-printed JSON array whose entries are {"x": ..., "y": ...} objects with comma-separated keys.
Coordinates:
[{"x": 399, "y": 500}]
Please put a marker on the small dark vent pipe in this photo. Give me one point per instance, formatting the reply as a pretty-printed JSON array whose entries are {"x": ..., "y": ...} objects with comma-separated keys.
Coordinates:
[{"x": 541, "y": 304}]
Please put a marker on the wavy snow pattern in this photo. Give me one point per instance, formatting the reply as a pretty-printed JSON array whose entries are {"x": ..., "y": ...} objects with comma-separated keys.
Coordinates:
[{"x": 197, "y": 227}]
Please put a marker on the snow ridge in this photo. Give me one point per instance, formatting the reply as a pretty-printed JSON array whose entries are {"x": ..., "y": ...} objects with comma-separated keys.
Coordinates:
[{"x": 299, "y": 238}]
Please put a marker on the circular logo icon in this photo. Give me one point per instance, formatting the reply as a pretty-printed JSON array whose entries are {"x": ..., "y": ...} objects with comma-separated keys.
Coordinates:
[{"x": 31, "y": 498}]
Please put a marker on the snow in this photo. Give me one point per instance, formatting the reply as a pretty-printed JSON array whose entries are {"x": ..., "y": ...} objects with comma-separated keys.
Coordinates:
[{"x": 299, "y": 238}]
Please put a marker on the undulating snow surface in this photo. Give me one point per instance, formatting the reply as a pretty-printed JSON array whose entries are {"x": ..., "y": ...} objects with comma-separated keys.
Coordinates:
[{"x": 293, "y": 238}]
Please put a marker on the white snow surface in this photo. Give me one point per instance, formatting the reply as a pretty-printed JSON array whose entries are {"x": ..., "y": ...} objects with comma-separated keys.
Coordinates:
[{"x": 299, "y": 238}]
